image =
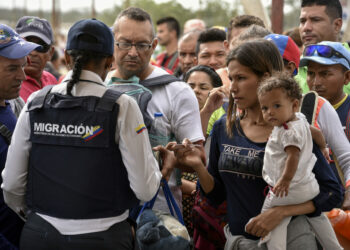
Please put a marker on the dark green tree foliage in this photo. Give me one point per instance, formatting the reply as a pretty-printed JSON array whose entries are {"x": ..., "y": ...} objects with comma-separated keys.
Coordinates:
[{"x": 212, "y": 11}]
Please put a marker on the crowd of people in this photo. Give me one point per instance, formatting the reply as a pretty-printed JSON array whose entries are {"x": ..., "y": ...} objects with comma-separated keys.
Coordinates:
[{"x": 249, "y": 129}]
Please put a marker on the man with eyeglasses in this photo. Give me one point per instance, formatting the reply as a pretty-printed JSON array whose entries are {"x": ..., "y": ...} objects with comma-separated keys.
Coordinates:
[
  {"x": 39, "y": 31},
  {"x": 135, "y": 43},
  {"x": 13, "y": 58},
  {"x": 328, "y": 70}
]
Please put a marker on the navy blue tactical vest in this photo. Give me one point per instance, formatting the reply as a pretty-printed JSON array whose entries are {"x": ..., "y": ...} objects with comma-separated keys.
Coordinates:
[{"x": 75, "y": 167}]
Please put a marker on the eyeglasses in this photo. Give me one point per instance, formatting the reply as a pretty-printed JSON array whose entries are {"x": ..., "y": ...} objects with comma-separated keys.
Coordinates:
[
  {"x": 138, "y": 46},
  {"x": 323, "y": 51}
]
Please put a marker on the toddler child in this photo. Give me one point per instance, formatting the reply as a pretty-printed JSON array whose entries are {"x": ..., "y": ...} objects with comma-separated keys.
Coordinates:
[{"x": 288, "y": 159}]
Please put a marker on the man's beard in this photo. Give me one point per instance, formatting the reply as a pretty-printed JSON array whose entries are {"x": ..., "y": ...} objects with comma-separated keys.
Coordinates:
[{"x": 129, "y": 73}]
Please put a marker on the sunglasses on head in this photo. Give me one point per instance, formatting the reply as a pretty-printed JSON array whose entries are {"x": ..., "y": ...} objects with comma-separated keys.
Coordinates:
[{"x": 323, "y": 51}]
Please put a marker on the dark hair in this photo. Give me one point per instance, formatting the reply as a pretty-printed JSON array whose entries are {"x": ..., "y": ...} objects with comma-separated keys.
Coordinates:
[
  {"x": 54, "y": 55},
  {"x": 214, "y": 77},
  {"x": 243, "y": 21},
  {"x": 210, "y": 35},
  {"x": 136, "y": 14},
  {"x": 295, "y": 35},
  {"x": 171, "y": 23},
  {"x": 81, "y": 58},
  {"x": 261, "y": 56},
  {"x": 281, "y": 81},
  {"x": 333, "y": 7}
]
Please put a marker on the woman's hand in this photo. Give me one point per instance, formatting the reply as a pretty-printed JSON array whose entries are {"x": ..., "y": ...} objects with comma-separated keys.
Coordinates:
[
  {"x": 192, "y": 156},
  {"x": 189, "y": 154},
  {"x": 215, "y": 99},
  {"x": 265, "y": 222}
]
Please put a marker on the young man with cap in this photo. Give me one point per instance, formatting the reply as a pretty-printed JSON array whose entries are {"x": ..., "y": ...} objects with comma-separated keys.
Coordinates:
[
  {"x": 13, "y": 52},
  {"x": 328, "y": 65},
  {"x": 80, "y": 157},
  {"x": 36, "y": 30},
  {"x": 288, "y": 50}
]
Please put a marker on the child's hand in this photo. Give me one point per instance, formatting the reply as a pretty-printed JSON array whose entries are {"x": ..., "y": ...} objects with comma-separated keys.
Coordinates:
[
  {"x": 281, "y": 188},
  {"x": 325, "y": 152}
]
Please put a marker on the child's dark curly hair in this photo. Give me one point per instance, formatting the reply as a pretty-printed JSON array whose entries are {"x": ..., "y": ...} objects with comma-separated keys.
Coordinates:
[{"x": 283, "y": 82}]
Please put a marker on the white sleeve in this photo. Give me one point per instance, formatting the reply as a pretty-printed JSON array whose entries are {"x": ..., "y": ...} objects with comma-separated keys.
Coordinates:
[
  {"x": 14, "y": 174},
  {"x": 186, "y": 122},
  {"x": 143, "y": 171},
  {"x": 291, "y": 137},
  {"x": 333, "y": 132}
]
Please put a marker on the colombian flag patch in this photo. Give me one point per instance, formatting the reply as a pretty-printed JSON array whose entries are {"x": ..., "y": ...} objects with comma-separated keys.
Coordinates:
[
  {"x": 140, "y": 128},
  {"x": 97, "y": 130}
]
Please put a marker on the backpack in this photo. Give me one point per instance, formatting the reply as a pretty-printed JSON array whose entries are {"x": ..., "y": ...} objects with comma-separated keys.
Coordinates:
[
  {"x": 309, "y": 108},
  {"x": 141, "y": 93}
]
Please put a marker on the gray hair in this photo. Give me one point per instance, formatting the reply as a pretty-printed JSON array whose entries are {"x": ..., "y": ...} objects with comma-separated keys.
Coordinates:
[
  {"x": 136, "y": 14},
  {"x": 253, "y": 32}
]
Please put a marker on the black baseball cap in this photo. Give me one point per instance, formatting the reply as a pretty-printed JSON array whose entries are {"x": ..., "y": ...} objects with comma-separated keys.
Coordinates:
[
  {"x": 102, "y": 43},
  {"x": 35, "y": 26}
]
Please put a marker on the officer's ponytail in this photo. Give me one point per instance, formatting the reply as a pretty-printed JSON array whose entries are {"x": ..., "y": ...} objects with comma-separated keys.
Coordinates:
[{"x": 80, "y": 59}]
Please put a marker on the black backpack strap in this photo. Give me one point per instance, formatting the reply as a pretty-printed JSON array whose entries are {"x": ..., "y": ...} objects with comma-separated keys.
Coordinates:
[
  {"x": 159, "y": 80},
  {"x": 108, "y": 100},
  {"x": 309, "y": 106},
  {"x": 6, "y": 133},
  {"x": 39, "y": 99}
]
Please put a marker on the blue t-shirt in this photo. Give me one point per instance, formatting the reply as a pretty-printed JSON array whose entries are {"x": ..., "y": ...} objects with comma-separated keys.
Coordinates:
[
  {"x": 236, "y": 165},
  {"x": 344, "y": 116},
  {"x": 7, "y": 118},
  {"x": 10, "y": 224}
]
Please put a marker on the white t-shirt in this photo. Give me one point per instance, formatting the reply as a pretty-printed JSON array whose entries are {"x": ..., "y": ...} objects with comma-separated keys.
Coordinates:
[
  {"x": 330, "y": 125},
  {"x": 179, "y": 106}
]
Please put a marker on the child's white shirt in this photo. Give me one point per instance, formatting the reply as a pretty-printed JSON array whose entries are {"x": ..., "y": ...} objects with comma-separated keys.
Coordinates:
[{"x": 297, "y": 134}]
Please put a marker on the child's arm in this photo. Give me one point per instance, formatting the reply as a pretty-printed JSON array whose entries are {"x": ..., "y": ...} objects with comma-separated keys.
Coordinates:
[
  {"x": 318, "y": 137},
  {"x": 291, "y": 166}
]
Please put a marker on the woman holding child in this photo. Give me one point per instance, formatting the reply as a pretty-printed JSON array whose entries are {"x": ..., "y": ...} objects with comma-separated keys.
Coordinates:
[{"x": 236, "y": 159}]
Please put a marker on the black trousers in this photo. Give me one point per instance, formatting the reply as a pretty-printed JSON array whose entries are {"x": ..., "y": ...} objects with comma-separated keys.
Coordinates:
[{"x": 38, "y": 234}]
